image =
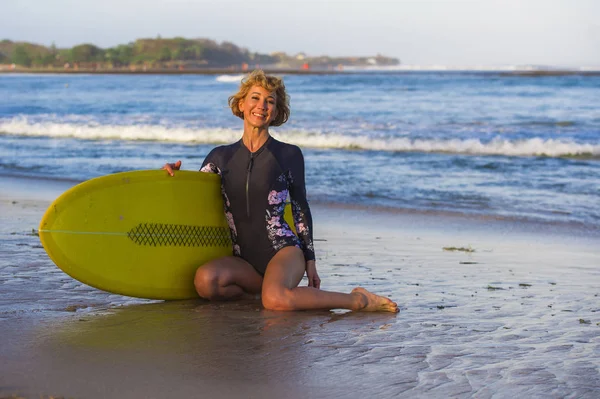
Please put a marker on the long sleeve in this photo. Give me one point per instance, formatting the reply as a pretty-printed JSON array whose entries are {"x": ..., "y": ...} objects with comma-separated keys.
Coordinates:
[
  {"x": 300, "y": 208},
  {"x": 208, "y": 165}
]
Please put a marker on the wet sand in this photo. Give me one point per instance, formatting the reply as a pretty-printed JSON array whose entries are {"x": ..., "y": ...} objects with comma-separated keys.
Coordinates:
[{"x": 513, "y": 311}]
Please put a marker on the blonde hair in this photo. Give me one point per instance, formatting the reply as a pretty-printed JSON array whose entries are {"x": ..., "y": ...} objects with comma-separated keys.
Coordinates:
[{"x": 269, "y": 83}]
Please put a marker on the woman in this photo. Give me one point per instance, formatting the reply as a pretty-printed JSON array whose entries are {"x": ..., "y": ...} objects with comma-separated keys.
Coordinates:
[{"x": 257, "y": 174}]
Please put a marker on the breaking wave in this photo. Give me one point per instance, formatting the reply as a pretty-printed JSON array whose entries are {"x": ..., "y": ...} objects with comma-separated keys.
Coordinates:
[
  {"x": 150, "y": 132},
  {"x": 230, "y": 78}
]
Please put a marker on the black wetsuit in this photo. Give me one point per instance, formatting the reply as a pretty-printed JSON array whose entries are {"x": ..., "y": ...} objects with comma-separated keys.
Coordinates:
[{"x": 255, "y": 186}]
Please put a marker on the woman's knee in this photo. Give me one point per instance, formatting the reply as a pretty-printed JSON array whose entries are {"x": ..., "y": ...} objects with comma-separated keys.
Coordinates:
[
  {"x": 206, "y": 282},
  {"x": 279, "y": 298}
]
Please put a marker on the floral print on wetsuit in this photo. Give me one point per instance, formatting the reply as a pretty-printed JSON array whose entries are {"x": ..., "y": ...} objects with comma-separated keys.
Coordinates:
[{"x": 279, "y": 231}]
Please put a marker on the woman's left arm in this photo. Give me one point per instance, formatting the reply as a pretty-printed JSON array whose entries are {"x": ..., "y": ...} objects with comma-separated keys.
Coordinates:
[{"x": 303, "y": 218}]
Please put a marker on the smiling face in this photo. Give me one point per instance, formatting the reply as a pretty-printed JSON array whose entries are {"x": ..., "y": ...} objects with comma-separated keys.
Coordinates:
[{"x": 259, "y": 107}]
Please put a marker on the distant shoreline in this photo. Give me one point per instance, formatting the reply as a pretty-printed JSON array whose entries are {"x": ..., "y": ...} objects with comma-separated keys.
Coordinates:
[
  {"x": 140, "y": 71},
  {"x": 229, "y": 71},
  {"x": 211, "y": 71}
]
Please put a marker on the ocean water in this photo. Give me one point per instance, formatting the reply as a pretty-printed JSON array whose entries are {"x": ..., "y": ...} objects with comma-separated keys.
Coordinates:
[{"x": 479, "y": 143}]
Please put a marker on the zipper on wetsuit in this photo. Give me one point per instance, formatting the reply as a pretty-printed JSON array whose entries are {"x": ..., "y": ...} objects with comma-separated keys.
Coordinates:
[{"x": 248, "y": 171}]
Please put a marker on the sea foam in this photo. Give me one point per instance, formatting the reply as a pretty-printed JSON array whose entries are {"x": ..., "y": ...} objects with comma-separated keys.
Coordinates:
[
  {"x": 229, "y": 78},
  {"x": 182, "y": 134}
]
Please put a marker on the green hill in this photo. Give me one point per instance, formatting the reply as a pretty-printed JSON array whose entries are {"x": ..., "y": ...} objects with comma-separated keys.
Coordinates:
[{"x": 167, "y": 53}]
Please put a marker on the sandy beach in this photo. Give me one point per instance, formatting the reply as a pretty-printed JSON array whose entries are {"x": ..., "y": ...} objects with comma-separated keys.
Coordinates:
[{"x": 489, "y": 308}]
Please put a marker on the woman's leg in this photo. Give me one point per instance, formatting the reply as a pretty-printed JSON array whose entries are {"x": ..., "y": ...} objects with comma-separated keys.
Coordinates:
[
  {"x": 226, "y": 278},
  {"x": 280, "y": 289}
]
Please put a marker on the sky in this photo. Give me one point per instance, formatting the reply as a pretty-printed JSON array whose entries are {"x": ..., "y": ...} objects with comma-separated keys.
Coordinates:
[{"x": 559, "y": 33}]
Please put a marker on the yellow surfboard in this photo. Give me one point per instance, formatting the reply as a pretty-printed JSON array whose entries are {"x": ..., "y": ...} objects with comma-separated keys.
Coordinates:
[{"x": 140, "y": 234}]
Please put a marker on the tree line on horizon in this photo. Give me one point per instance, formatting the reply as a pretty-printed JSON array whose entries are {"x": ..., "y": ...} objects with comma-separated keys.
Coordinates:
[{"x": 165, "y": 53}]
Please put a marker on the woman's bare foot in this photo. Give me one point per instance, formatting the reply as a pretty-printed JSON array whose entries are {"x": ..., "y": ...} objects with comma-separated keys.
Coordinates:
[{"x": 368, "y": 302}]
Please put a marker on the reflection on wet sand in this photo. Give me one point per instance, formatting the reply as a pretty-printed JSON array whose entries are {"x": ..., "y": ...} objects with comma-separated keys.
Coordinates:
[{"x": 221, "y": 347}]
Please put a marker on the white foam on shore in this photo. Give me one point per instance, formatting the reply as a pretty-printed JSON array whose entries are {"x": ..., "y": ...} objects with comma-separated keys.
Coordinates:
[
  {"x": 498, "y": 146},
  {"x": 147, "y": 132},
  {"x": 229, "y": 78},
  {"x": 93, "y": 131}
]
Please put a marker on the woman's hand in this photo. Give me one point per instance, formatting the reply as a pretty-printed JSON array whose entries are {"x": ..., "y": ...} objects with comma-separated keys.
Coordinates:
[
  {"x": 170, "y": 167},
  {"x": 313, "y": 276}
]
